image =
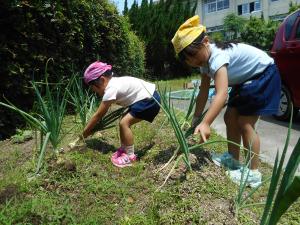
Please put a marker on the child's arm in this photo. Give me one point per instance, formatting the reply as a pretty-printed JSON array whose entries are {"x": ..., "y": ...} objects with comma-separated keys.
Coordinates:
[
  {"x": 221, "y": 85},
  {"x": 101, "y": 111},
  {"x": 202, "y": 96}
]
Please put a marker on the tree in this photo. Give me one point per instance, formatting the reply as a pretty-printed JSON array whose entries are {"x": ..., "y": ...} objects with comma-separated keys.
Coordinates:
[
  {"x": 156, "y": 24},
  {"x": 125, "y": 11},
  {"x": 233, "y": 25},
  {"x": 217, "y": 37},
  {"x": 133, "y": 15},
  {"x": 259, "y": 33},
  {"x": 73, "y": 33}
]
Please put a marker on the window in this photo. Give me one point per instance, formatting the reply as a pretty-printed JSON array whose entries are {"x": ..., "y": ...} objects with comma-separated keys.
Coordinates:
[
  {"x": 257, "y": 5},
  {"x": 222, "y": 4},
  {"x": 210, "y": 6},
  {"x": 245, "y": 8},
  {"x": 239, "y": 9},
  {"x": 215, "y": 5},
  {"x": 226, "y": 4},
  {"x": 249, "y": 7}
]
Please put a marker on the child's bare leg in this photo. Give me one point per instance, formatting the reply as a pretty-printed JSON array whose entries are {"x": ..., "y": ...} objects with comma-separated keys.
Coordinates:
[
  {"x": 250, "y": 138},
  {"x": 233, "y": 131},
  {"x": 126, "y": 134}
]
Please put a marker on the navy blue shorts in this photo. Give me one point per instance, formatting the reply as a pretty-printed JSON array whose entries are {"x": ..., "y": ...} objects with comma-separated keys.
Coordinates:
[
  {"x": 259, "y": 95},
  {"x": 146, "y": 109}
]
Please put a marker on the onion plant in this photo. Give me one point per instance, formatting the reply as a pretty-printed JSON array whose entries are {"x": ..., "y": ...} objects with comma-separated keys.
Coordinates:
[
  {"x": 183, "y": 150},
  {"x": 81, "y": 99},
  {"x": 168, "y": 108},
  {"x": 51, "y": 112},
  {"x": 188, "y": 115},
  {"x": 86, "y": 104},
  {"x": 51, "y": 109},
  {"x": 42, "y": 153},
  {"x": 288, "y": 190},
  {"x": 241, "y": 199},
  {"x": 107, "y": 121}
]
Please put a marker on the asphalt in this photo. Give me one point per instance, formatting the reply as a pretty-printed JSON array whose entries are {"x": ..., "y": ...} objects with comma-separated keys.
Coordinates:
[{"x": 272, "y": 133}]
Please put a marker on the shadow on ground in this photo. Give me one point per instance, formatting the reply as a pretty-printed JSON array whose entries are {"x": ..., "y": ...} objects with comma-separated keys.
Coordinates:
[
  {"x": 100, "y": 146},
  {"x": 203, "y": 158},
  {"x": 295, "y": 122},
  {"x": 142, "y": 152},
  {"x": 164, "y": 155}
]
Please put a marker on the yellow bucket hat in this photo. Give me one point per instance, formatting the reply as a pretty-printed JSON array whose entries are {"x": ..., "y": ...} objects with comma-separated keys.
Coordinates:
[{"x": 187, "y": 33}]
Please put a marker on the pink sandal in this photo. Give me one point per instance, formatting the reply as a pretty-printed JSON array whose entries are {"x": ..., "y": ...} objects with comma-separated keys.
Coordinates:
[
  {"x": 124, "y": 160},
  {"x": 118, "y": 153}
]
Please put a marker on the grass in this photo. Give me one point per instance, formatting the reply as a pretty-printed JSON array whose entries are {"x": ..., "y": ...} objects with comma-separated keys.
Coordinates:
[
  {"x": 177, "y": 84},
  {"x": 85, "y": 188}
]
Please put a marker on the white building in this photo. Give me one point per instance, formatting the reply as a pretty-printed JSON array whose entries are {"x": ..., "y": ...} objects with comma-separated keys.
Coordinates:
[{"x": 212, "y": 12}]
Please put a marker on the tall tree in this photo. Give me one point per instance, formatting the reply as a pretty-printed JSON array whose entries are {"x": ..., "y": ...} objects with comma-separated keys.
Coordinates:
[
  {"x": 133, "y": 15},
  {"x": 156, "y": 24},
  {"x": 125, "y": 11}
]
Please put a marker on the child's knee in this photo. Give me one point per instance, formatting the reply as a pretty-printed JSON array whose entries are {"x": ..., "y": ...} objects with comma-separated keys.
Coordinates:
[
  {"x": 245, "y": 127},
  {"x": 123, "y": 123}
]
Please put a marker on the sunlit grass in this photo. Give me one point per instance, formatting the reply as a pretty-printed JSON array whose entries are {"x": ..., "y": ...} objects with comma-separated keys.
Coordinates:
[{"x": 97, "y": 192}]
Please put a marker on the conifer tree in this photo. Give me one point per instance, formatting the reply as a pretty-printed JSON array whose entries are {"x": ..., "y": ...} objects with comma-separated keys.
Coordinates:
[
  {"x": 156, "y": 24},
  {"x": 133, "y": 15},
  {"x": 125, "y": 11}
]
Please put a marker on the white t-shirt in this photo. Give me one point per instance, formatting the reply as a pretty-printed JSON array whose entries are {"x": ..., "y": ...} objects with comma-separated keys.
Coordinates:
[
  {"x": 243, "y": 62},
  {"x": 127, "y": 90}
]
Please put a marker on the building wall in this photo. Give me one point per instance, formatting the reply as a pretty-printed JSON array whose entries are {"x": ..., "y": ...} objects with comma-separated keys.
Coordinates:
[{"x": 275, "y": 10}]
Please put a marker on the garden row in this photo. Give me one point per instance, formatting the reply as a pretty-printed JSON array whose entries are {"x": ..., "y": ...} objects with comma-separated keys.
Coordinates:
[{"x": 50, "y": 112}]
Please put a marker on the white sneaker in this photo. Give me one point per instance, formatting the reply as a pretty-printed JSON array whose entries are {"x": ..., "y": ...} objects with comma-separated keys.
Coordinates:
[
  {"x": 252, "y": 178},
  {"x": 226, "y": 160}
]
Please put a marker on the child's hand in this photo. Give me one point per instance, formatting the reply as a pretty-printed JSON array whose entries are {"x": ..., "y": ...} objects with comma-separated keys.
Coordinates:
[{"x": 204, "y": 130}]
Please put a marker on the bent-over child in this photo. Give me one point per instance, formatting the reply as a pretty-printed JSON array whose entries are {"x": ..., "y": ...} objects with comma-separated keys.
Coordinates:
[
  {"x": 138, "y": 95},
  {"x": 255, "y": 92}
]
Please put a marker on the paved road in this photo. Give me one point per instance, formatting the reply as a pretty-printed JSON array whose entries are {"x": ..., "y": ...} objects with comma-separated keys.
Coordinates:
[{"x": 272, "y": 133}]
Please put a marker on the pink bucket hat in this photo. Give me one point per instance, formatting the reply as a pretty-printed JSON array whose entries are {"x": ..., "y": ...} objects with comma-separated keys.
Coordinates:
[{"x": 95, "y": 70}]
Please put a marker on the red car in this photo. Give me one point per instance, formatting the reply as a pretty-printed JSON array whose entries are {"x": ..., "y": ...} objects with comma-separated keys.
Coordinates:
[{"x": 286, "y": 53}]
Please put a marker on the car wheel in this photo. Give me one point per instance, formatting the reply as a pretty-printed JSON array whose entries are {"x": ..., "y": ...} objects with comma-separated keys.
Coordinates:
[{"x": 285, "y": 105}]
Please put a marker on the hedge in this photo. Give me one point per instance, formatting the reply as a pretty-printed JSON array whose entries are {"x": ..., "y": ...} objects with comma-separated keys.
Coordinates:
[{"x": 72, "y": 32}]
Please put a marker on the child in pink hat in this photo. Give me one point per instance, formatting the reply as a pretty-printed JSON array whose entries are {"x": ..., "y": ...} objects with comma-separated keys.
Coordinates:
[{"x": 138, "y": 95}]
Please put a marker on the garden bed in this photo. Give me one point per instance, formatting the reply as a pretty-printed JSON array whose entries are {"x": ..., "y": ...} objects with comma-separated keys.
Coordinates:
[{"x": 83, "y": 187}]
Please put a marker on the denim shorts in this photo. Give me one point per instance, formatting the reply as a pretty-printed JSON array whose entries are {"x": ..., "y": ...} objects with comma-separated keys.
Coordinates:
[
  {"x": 146, "y": 109},
  {"x": 259, "y": 95}
]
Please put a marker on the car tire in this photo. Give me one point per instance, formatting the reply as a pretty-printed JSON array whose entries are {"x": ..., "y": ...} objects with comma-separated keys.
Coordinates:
[{"x": 285, "y": 105}]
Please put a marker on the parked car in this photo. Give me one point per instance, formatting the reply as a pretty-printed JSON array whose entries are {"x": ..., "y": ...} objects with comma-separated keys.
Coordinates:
[{"x": 286, "y": 53}]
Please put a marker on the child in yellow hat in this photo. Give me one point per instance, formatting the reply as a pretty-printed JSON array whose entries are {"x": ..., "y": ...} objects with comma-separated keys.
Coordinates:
[{"x": 255, "y": 91}]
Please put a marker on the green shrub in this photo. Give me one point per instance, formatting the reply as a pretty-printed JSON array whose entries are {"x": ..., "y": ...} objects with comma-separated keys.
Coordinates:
[
  {"x": 259, "y": 33},
  {"x": 217, "y": 37},
  {"x": 73, "y": 33}
]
